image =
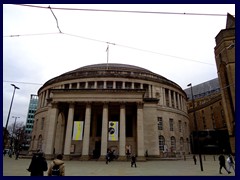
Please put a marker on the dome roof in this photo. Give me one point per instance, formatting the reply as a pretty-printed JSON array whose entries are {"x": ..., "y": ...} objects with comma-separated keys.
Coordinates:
[
  {"x": 110, "y": 66},
  {"x": 111, "y": 70}
]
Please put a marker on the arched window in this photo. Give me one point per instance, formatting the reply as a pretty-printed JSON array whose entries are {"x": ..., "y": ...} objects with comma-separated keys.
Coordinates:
[
  {"x": 181, "y": 143},
  {"x": 180, "y": 125},
  {"x": 173, "y": 143},
  {"x": 161, "y": 143},
  {"x": 32, "y": 143},
  {"x": 42, "y": 123},
  {"x": 39, "y": 145}
]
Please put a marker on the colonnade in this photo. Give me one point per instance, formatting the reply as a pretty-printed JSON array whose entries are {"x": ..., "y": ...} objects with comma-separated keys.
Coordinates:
[
  {"x": 167, "y": 96},
  {"x": 53, "y": 112}
]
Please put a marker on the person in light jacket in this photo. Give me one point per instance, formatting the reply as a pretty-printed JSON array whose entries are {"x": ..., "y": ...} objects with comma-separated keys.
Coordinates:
[{"x": 60, "y": 162}]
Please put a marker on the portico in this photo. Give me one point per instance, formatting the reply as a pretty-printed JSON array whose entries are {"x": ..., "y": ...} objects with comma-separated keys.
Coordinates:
[{"x": 96, "y": 108}]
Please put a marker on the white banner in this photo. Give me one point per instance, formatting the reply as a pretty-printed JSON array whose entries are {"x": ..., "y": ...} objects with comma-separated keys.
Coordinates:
[
  {"x": 78, "y": 130},
  {"x": 113, "y": 131}
]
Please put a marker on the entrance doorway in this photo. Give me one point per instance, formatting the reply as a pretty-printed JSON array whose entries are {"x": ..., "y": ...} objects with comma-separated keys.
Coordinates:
[{"x": 97, "y": 150}]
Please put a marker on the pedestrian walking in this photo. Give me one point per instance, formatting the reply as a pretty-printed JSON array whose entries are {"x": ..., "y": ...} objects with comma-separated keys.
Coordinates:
[
  {"x": 108, "y": 157},
  {"x": 230, "y": 162},
  {"x": 4, "y": 152},
  {"x": 57, "y": 167},
  {"x": 10, "y": 153},
  {"x": 222, "y": 164},
  {"x": 195, "y": 159},
  {"x": 38, "y": 165},
  {"x": 17, "y": 155},
  {"x": 133, "y": 161}
]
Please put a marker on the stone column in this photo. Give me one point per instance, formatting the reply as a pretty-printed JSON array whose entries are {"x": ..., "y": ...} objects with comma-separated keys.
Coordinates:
[
  {"x": 104, "y": 139},
  {"x": 182, "y": 99},
  {"x": 46, "y": 96},
  {"x": 140, "y": 135},
  {"x": 123, "y": 84},
  {"x": 149, "y": 91},
  {"x": 179, "y": 101},
  {"x": 86, "y": 136},
  {"x": 122, "y": 140},
  {"x": 51, "y": 130},
  {"x": 39, "y": 101},
  {"x": 184, "y": 105},
  {"x": 170, "y": 98},
  {"x": 114, "y": 84},
  {"x": 174, "y": 100},
  {"x": 68, "y": 138},
  {"x": 43, "y": 98},
  {"x": 164, "y": 97},
  {"x": 132, "y": 85},
  {"x": 161, "y": 96},
  {"x": 105, "y": 85}
]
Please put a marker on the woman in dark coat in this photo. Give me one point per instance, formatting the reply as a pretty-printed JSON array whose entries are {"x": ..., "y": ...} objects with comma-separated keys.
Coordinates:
[{"x": 38, "y": 165}]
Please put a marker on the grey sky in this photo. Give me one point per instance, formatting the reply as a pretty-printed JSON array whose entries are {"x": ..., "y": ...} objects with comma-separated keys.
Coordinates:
[{"x": 179, "y": 42}]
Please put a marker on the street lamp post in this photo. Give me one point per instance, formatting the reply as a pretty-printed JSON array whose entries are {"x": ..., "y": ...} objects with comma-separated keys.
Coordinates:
[
  {"x": 196, "y": 127},
  {"x": 15, "y": 87}
]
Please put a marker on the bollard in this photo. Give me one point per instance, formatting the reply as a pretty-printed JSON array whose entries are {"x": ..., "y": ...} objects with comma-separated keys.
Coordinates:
[{"x": 213, "y": 157}]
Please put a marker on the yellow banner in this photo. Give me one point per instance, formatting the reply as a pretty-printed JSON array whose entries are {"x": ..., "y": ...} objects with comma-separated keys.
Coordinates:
[
  {"x": 113, "y": 131},
  {"x": 77, "y": 130}
]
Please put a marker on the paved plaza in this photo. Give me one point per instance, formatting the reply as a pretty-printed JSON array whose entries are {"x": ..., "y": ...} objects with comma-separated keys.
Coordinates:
[{"x": 12, "y": 167}]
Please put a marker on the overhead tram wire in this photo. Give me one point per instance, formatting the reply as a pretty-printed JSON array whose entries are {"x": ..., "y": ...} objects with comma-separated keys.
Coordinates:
[
  {"x": 55, "y": 19},
  {"x": 124, "y": 11},
  {"x": 125, "y": 46},
  {"x": 113, "y": 43},
  {"x": 148, "y": 51},
  {"x": 23, "y": 82},
  {"x": 36, "y": 34}
]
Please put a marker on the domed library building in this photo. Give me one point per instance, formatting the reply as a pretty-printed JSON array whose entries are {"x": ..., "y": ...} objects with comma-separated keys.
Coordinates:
[{"x": 121, "y": 108}]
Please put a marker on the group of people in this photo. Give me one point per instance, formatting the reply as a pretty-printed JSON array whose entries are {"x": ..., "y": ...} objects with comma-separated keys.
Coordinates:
[
  {"x": 222, "y": 163},
  {"x": 39, "y": 164},
  {"x": 10, "y": 153},
  {"x": 110, "y": 156},
  {"x": 57, "y": 168}
]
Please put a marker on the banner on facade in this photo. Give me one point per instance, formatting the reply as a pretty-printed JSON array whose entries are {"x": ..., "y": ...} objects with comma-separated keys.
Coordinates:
[
  {"x": 113, "y": 131},
  {"x": 77, "y": 130}
]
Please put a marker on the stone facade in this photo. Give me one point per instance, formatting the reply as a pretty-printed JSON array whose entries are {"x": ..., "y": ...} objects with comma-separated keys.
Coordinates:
[
  {"x": 211, "y": 122},
  {"x": 149, "y": 109},
  {"x": 225, "y": 61}
]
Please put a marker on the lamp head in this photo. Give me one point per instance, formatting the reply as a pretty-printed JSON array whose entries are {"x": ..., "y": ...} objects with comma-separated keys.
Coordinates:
[{"x": 15, "y": 86}]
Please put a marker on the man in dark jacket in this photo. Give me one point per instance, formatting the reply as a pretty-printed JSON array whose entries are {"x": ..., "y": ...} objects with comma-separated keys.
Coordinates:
[
  {"x": 222, "y": 164},
  {"x": 133, "y": 161},
  {"x": 38, "y": 165}
]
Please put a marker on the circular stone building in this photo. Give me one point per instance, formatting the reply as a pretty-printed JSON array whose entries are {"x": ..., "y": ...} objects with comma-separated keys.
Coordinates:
[{"x": 123, "y": 108}]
